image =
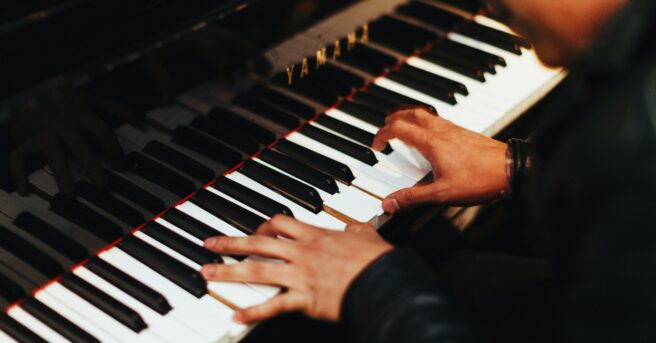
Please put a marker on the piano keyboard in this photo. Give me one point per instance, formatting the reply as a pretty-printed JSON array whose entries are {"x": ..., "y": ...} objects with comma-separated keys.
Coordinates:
[{"x": 122, "y": 264}]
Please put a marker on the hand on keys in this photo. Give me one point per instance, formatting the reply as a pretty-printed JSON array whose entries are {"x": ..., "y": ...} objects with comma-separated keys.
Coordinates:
[
  {"x": 468, "y": 168},
  {"x": 318, "y": 265}
]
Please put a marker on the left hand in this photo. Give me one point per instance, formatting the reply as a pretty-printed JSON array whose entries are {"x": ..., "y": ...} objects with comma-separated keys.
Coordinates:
[{"x": 319, "y": 265}]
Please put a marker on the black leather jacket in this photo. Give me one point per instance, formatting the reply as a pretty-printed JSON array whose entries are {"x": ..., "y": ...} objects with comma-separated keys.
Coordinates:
[{"x": 593, "y": 201}]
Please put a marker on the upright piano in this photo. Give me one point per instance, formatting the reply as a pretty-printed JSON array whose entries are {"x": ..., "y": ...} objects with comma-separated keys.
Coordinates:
[{"x": 203, "y": 156}]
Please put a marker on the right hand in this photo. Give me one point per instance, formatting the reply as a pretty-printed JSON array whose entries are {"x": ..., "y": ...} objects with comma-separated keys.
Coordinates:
[{"x": 468, "y": 168}]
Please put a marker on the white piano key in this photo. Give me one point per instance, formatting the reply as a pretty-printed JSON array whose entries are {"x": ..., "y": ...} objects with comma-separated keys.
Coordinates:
[
  {"x": 236, "y": 292},
  {"x": 206, "y": 315},
  {"x": 392, "y": 161},
  {"x": 4, "y": 338},
  {"x": 408, "y": 153},
  {"x": 165, "y": 327},
  {"x": 207, "y": 218},
  {"x": 85, "y": 323},
  {"x": 375, "y": 179},
  {"x": 352, "y": 202},
  {"x": 267, "y": 291},
  {"x": 401, "y": 150},
  {"x": 36, "y": 325},
  {"x": 321, "y": 219},
  {"x": 179, "y": 231},
  {"x": 100, "y": 318},
  {"x": 464, "y": 117}
]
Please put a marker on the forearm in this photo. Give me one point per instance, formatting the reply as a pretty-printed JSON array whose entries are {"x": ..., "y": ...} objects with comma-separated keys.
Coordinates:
[{"x": 397, "y": 299}]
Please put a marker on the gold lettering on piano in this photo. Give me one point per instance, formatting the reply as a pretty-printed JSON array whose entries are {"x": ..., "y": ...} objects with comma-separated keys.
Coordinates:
[
  {"x": 290, "y": 74},
  {"x": 321, "y": 57},
  {"x": 350, "y": 39},
  {"x": 305, "y": 71},
  {"x": 337, "y": 50},
  {"x": 365, "y": 34}
]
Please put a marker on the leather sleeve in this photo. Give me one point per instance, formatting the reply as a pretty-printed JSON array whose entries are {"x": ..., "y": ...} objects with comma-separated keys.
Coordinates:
[{"x": 396, "y": 299}]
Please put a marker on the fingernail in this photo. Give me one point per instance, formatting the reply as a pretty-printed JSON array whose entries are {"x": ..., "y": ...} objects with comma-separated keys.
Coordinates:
[
  {"x": 238, "y": 317},
  {"x": 391, "y": 205},
  {"x": 210, "y": 242},
  {"x": 207, "y": 271}
]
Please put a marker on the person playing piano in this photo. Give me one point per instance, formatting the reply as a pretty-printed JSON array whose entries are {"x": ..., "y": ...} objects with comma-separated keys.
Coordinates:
[{"x": 587, "y": 180}]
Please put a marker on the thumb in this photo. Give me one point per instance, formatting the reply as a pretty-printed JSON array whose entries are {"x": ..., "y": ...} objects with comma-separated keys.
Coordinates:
[{"x": 408, "y": 197}]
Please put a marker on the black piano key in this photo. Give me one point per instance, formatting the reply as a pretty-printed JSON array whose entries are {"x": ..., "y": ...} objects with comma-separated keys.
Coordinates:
[
  {"x": 103, "y": 199},
  {"x": 57, "y": 322},
  {"x": 159, "y": 174},
  {"x": 471, "y": 53},
  {"x": 234, "y": 121},
  {"x": 315, "y": 91},
  {"x": 86, "y": 218},
  {"x": 455, "y": 66},
  {"x": 104, "y": 302},
  {"x": 134, "y": 193},
  {"x": 233, "y": 214},
  {"x": 251, "y": 198},
  {"x": 373, "y": 101},
  {"x": 357, "y": 134},
  {"x": 194, "y": 227},
  {"x": 28, "y": 253},
  {"x": 302, "y": 171},
  {"x": 9, "y": 290},
  {"x": 180, "y": 244},
  {"x": 338, "y": 170},
  {"x": 130, "y": 285},
  {"x": 190, "y": 224},
  {"x": 229, "y": 135},
  {"x": 294, "y": 190},
  {"x": 285, "y": 101},
  {"x": 433, "y": 79},
  {"x": 179, "y": 160},
  {"x": 360, "y": 153},
  {"x": 368, "y": 59},
  {"x": 339, "y": 77},
  {"x": 400, "y": 35},
  {"x": 172, "y": 269},
  {"x": 363, "y": 112},
  {"x": 493, "y": 37},
  {"x": 464, "y": 60},
  {"x": 432, "y": 15},
  {"x": 17, "y": 331},
  {"x": 206, "y": 145},
  {"x": 400, "y": 99},
  {"x": 471, "y": 6},
  {"x": 51, "y": 236},
  {"x": 11, "y": 263},
  {"x": 424, "y": 87},
  {"x": 267, "y": 110}
]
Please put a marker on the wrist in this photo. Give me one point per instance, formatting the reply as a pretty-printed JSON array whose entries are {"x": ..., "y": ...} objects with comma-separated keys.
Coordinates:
[{"x": 519, "y": 163}]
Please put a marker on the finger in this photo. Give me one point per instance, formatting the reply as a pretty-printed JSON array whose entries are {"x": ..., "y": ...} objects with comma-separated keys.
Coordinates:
[
  {"x": 56, "y": 157},
  {"x": 90, "y": 162},
  {"x": 284, "y": 226},
  {"x": 253, "y": 245},
  {"x": 18, "y": 169},
  {"x": 266, "y": 273},
  {"x": 410, "y": 196},
  {"x": 410, "y": 134},
  {"x": 287, "y": 302},
  {"x": 360, "y": 228},
  {"x": 418, "y": 116}
]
